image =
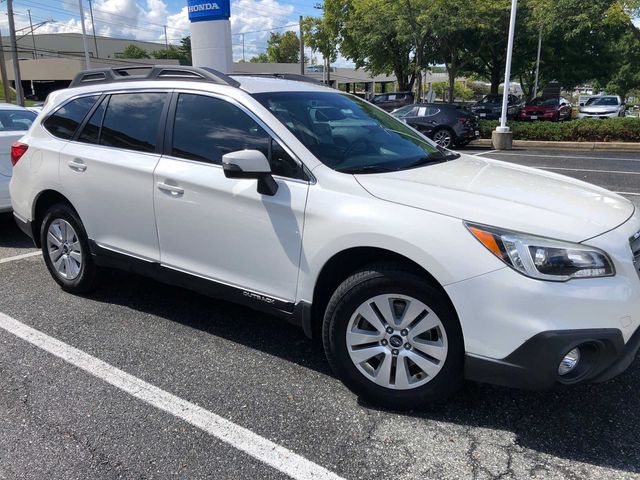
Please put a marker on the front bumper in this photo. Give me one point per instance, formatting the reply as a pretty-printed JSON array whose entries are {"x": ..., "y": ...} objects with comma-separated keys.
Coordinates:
[
  {"x": 534, "y": 365},
  {"x": 517, "y": 329},
  {"x": 598, "y": 115}
]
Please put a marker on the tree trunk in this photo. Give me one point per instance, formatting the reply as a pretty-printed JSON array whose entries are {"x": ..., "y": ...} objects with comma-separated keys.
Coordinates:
[
  {"x": 495, "y": 79},
  {"x": 452, "y": 83}
]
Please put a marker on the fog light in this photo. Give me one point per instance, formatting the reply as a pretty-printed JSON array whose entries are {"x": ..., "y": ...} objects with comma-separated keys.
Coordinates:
[{"x": 569, "y": 362}]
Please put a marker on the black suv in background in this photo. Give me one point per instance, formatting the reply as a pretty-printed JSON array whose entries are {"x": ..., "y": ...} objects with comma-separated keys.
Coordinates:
[
  {"x": 447, "y": 124},
  {"x": 393, "y": 101}
]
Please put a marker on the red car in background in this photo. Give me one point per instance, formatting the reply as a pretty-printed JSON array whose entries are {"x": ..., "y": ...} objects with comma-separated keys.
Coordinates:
[{"x": 554, "y": 108}]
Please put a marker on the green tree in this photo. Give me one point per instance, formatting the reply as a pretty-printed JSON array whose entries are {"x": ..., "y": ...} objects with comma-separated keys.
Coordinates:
[
  {"x": 132, "y": 51},
  {"x": 260, "y": 58},
  {"x": 185, "y": 49},
  {"x": 321, "y": 36},
  {"x": 370, "y": 34},
  {"x": 173, "y": 53},
  {"x": 283, "y": 47}
]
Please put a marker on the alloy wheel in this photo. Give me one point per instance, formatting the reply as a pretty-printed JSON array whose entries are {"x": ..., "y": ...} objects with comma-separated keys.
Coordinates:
[
  {"x": 443, "y": 138},
  {"x": 396, "y": 341},
  {"x": 65, "y": 251}
]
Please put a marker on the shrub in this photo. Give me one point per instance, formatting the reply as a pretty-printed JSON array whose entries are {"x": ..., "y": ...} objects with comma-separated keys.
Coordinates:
[{"x": 587, "y": 130}]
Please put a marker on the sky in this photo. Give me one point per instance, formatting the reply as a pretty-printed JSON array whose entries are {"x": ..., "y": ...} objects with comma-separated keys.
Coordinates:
[{"x": 145, "y": 19}]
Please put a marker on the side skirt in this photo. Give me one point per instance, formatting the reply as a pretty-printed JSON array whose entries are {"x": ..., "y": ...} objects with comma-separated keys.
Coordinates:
[{"x": 295, "y": 314}]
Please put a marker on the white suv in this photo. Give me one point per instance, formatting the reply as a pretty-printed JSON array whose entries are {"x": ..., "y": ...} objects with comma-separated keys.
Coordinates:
[{"x": 416, "y": 266}]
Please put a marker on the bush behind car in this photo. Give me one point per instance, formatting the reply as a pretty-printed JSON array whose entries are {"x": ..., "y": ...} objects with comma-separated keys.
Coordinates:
[{"x": 587, "y": 130}]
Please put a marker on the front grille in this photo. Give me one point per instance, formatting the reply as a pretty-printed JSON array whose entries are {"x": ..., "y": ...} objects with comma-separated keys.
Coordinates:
[{"x": 635, "y": 248}]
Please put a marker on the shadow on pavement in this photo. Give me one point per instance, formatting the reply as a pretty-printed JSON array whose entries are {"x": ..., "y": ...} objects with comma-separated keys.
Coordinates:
[
  {"x": 10, "y": 234},
  {"x": 595, "y": 424}
]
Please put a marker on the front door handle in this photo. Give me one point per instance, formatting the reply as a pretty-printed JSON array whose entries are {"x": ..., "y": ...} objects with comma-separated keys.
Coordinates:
[
  {"x": 170, "y": 189},
  {"x": 77, "y": 165}
]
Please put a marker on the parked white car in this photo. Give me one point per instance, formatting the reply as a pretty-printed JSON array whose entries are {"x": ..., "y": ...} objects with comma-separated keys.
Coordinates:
[
  {"x": 603, "y": 106},
  {"x": 416, "y": 266},
  {"x": 14, "y": 122}
]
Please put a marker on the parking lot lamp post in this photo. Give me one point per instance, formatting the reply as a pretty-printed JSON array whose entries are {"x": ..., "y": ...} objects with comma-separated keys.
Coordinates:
[{"x": 502, "y": 137}]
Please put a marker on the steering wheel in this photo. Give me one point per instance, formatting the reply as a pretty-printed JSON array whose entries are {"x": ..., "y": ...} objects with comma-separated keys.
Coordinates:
[{"x": 360, "y": 141}]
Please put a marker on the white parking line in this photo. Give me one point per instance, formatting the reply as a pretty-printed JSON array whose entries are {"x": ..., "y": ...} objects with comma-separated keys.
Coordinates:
[
  {"x": 258, "y": 447},
  {"x": 560, "y": 156},
  {"x": 484, "y": 153},
  {"x": 20, "y": 257},
  {"x": 562, "y": 169}
]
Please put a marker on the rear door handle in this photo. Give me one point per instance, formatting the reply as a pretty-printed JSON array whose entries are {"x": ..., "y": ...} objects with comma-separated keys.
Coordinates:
[
  {"x": 77, "y": 165},
  {"x": 170, "y": 189}
]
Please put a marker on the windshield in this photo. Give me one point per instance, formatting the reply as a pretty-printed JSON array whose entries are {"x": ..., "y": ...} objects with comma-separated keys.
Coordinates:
[
  {"x": 611, "y": 101},
  {"x": 349, "y": 134},
  {"x": 492, "y": 99},
  {"x": 16, "y": 120},
  {"x": 544, "y": 101}
]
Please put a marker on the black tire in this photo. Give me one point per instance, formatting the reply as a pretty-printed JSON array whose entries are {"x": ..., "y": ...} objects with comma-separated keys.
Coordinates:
[
  {"x": 86, "y": 279},
  {"x": 377, "y": 280}
]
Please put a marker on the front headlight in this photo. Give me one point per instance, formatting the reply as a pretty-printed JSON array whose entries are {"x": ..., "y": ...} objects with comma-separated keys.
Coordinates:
[{"x": 543, "y": 258}]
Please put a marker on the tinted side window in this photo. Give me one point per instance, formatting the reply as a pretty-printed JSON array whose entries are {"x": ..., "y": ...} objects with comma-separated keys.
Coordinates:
[
  {"x": 64, "y": 121},
  {"x": 91, "y": 131},
  {"x": 131, "y": 121},
  {"x": 206, "y": 128}
]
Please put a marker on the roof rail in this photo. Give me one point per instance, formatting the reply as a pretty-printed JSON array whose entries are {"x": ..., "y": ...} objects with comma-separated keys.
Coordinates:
[
  {"x": 284, "y": 76},
  {"x": 152, "y": 72}
]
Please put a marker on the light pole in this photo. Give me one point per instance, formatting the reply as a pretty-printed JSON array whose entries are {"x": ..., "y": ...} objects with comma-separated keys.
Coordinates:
[
  {"x": 502, "y": 137},
  {"x": 535, "y": 89},
  {"x": 84, "y": 37}
]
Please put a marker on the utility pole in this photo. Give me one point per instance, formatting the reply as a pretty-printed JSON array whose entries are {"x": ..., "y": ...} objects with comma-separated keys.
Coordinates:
[
  {"x": 93, "y": 27},
  {"x": 166, "y": 43},
  {"x": 32, "y": 37},
  {"x": 535, "y": 90},
  {"x": 3, "y": 74},
  {"x": 242, "y": 46},
  {"x": 14, "y": 56},
  {"x": 301, "y": 48},
  {"x": 87, "y": 61}
]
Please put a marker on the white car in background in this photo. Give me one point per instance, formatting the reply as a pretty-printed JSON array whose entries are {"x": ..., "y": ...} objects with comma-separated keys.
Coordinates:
[
  {"x": 604, "y": 106},
  {"x": 14, "y": 122}
]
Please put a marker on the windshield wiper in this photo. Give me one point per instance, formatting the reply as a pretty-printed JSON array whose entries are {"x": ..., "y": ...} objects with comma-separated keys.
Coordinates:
[{"x": 365, "y": 169}]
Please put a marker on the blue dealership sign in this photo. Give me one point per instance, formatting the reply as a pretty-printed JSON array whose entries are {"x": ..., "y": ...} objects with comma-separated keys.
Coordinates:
[{"x": 203, "y": 10}]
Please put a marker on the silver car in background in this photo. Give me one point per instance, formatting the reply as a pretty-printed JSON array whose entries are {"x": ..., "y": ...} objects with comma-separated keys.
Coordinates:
[{"x": 603, "y": 106}]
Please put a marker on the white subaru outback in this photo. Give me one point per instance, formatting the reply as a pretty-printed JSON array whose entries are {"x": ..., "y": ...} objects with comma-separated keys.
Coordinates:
[{"x": 418, "y": 267}]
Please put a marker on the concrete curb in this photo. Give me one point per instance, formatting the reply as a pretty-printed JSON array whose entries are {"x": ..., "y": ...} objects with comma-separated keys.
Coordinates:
[{"x": 617, "y": 146}]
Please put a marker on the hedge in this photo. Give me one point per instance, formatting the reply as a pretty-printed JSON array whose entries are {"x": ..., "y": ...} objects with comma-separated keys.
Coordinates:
[{"x": 587, "y": 130}]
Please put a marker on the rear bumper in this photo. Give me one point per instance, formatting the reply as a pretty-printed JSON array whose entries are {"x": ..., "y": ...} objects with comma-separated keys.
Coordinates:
[{"x": 534, "y": 365}]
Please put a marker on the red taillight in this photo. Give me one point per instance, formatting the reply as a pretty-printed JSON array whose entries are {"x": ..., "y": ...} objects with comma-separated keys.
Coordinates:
[
  {"x": 17, "y": 151},
  {"x": 463, "y": 120}
]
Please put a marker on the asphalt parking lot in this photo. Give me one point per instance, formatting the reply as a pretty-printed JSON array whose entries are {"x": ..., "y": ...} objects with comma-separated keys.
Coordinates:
[{"x": 271, "y": 386}]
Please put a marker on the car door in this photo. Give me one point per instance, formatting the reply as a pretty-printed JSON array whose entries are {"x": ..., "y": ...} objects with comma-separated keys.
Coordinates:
[
  {"x": 107, "y": 171},
  {"x": 220, "y": 228}
]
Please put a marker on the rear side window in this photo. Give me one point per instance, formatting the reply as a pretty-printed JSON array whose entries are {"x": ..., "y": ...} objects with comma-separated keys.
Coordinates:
[
  {"x": 16, "y": 120},
  {"x": 64, "y": 121},
  {"x": 131, "y": 121}
]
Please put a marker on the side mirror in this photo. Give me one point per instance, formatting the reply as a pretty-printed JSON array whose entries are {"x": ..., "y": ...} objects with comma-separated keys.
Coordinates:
[{"x": 250, "y": 164}]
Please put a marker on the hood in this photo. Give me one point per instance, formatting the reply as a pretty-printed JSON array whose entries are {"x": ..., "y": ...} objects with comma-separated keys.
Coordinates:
[{"x": 505, "y": 195}]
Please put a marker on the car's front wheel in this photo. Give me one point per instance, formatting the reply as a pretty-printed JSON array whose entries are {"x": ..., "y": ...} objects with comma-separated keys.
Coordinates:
[
  {"x": 393, "y": 338},
  {"x": 65, "y": 248}
]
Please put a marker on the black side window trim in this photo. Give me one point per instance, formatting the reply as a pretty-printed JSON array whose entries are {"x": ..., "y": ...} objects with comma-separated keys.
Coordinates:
[
  {"x": 87, "y": 117},
  {"x": 170, "y": 118}
]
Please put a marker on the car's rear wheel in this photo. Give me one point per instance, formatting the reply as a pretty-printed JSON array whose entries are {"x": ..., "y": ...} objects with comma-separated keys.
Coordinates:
[
  {"x": 65, "y": 248},
  {"x": 443, "y": 137},
  {"x": 393, "y": 338}
]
